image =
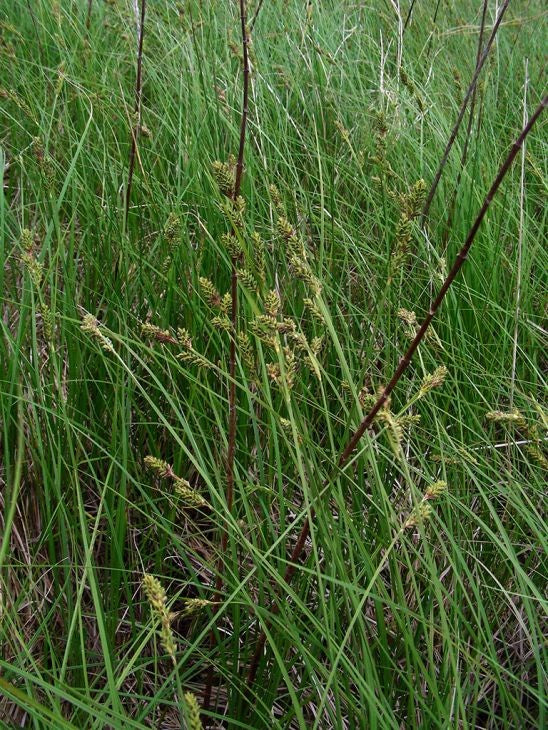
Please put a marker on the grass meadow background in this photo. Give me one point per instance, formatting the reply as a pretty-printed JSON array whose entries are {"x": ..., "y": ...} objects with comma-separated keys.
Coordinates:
[{"x": 440, "y": 624}]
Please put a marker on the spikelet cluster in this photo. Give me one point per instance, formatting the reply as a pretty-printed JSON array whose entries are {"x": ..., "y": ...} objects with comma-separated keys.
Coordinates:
[
  {"x": 514, "y": 416},
  {"x": 182, "y": 488},
  {"x": 35, "y": 270},
  {"x": 394, "y": 429},
  {"x": 289, "y": 372},
  {"x": 171, "y": 231},
  {"x": 265, "y": 328},
  {"x": 159, "y": 467},
  {"x": 27, "y": 240},
  {"x": 192, "y": 712},
  {"x": 188, "y": 495},
  {"x": 247, "y": 354},
  {"x": 413, "y": 202},
  {"x": 285, "y": 423},
  {"x": 157, "y": 599},
  {"x": 61, "y": 76},
  {"x": 433, "y": 380},
  {"x": 408, "y": 421},
  {"x": 311, "y": 359},
  {"x": 247, "y": 280},
  {"x": 399, "y": 427},
  {"x": 157, "y": 333},
  {"x": 410, "y": 86},
  {"x": 189, "y": 354},
  {"x": 313, "y": 308},
  {"x": 436, "y": 489},
  {"x": 402, "y": 240},
  {"x": 232, "y": 244},
  {"x": 419, "y": 515},
  {"x": 45, "y": 163},
  {"x": 235, "y": 48},
  {"x": 409, "y": 319},
  {"x": 366, "y": 399},
  {"x": 423, "y": 511},
  {"x": 225, "y": 175},
  {"x": 531, "y": 431},
  {"x": 145, "y": 131},
  {"x": 272, "y": 303},
  {"x": 276, "y": 199},
  {"x": 90, "y": 326},
  {"x": 441, "y": 270},
  {"x": 226, "y": 303},
  {"x": 272, "y": 326},
  {"x": 379, "y": 157},
  {"x": 6, "y": 48},
  {"x": 298, "y": 257},
  {"x": 210, "y": 293},
  {"x": 410, "y": 208},
  {"x": 464, "y": 456},
  {"x": 222, "y": 323},
  {"x": 458, "y": 80},
  {"x": 234, "y": 211},
  {"x": 48, "y": 321},
  {"x": 194, "y": 606},
  {"x": 31, "y": 263},
  {"x": 343, "y": 131},
  {"x": 15, "y": 98}
]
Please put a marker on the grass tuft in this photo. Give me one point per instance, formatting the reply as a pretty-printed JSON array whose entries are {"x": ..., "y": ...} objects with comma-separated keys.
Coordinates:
[{"x": 133, "y": 391}]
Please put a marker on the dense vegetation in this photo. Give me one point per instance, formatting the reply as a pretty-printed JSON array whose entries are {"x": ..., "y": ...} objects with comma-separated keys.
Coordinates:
[{"x": 130, "y": 586}]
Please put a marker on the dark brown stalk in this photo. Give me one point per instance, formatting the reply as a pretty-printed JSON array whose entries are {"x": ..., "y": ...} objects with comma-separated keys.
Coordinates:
[
  {"x": 409, "y": 14},
  {"x": 468, "y": 130},
  {"x": 402, "y": 367},
  {"x": 256, "y": 14},
  {"x": 434, "y": 20},
  {"x": 233, "y": 319},
  {"x": 137, "y": 108},
  {"x": 243, "y": 122},
  {"x": 88, "y": 16},
  {"x": 455, "y": 130}
]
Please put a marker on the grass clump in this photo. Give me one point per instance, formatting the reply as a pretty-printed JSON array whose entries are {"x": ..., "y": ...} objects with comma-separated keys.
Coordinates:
[{"x": 186, "y": 349}]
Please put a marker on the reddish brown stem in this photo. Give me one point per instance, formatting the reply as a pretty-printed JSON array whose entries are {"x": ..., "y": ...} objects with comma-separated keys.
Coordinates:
[
  {"x": 137, "y": 108},
  {"x": 403, "y": 365},
  {"x": 455, "y": 130},
  {"x": 245, "y": 102},
  {"x": 468, "y": 131},
  {"x": 409, "y": 14},
  {"x": 88, "y": 16},
  {"x": 234, "y": 321},
  {"x": 256, "y": 14}
]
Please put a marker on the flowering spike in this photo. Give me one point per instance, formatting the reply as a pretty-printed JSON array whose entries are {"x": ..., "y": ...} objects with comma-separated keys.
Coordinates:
[
  {"x": 157, "y": 599},
  {"x": 433, "y": 380}
]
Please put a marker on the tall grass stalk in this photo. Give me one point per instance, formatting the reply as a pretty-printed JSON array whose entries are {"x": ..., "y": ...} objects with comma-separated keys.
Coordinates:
[
  {"x": 468, "y": 136},
  {"x": 135, "y": 124},
  {"x": 469, "y": 94},
  {"x": 232, "y": 414},
  {"x": 519, "y": 263}
]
